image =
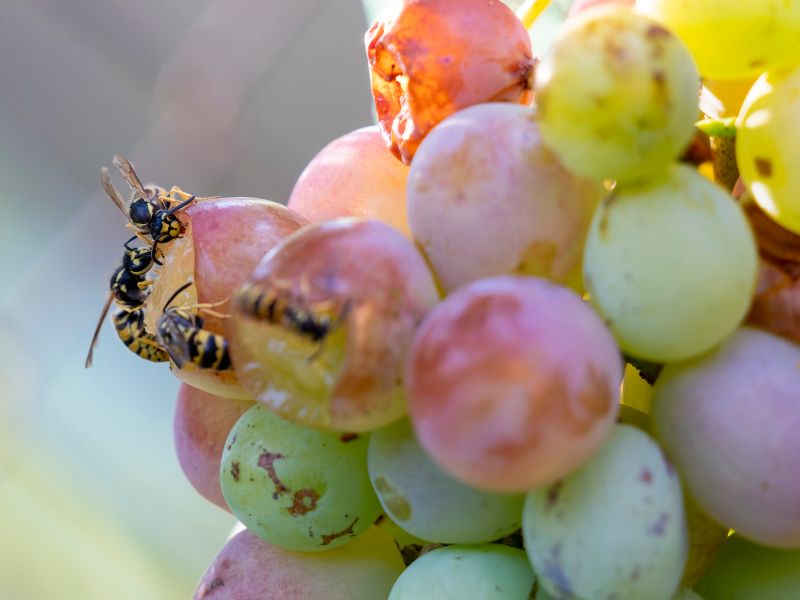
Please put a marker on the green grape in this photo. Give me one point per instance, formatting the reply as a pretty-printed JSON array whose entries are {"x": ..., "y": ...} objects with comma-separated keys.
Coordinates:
[
  {"x": 733, "y": 39},
  {"x": 421, "y": 498},
  {"x": 745, "y": 571},
  {"x": 671, "y": 265},
  {"x": 297, "y": 488},
  {"x": 766, "y": 146},
  {"x": 615, "y": 528},
  {"x": 482, "y": 572},
  {"x": 617, "y": 95}
]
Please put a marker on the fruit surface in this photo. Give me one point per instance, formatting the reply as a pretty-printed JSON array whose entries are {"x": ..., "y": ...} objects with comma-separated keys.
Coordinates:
[
  {"x": 729, "y": 420},
  {"x": 616, "y": 527},
  {"x": 353, "y": 176},
  {"x": 733, "y": 40},
  {"x": 297, "y": 488},
  {"x": 766, "y": 152},
  {"x": 485, "y": 197},
  {"x": 671, "y": 265},
  {"x": 430, "y": 58},
  {"x": 482, "y": 572},
  {"x": 250, "y": 568},
  {"x": 427, "y": 502},
  {"x": 617, "y": 95},
  {"x": 513, "y": 382}
]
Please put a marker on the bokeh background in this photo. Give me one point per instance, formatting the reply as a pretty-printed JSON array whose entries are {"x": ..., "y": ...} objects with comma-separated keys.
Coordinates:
[{"x": 228, "y": 97}]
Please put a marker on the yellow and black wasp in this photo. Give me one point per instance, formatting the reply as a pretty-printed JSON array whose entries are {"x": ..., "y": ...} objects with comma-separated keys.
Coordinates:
[
  {"x": 181, "y": 334},
  {"x": 129, "y": 288},
  {"x": 152, "y": 210}
]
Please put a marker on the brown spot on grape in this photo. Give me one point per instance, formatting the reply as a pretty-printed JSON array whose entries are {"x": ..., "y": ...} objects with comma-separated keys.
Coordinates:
[
  {"x": 267, "y": 462},
  {"x": 380, "y": 519},
  {"x": 303, "y": 501},
  {"x": 646, "y": 476},
  {"x": 235, "y": 471},
  {"x": 553, "y": 494},
  {"x": 657, "y": 31},
  {"x": 329, "y": 537},
  {"x": 659, "y": 527},
  {"x": 218, "y": 582},
  {"x": 348, "y": 437},
  {"x": 763, "y": 166}
]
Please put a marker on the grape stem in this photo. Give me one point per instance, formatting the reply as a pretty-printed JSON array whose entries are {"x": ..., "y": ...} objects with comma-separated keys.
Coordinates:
[
  {"x": 724, "y": 128},
  {"x": 530, "y": 11}
]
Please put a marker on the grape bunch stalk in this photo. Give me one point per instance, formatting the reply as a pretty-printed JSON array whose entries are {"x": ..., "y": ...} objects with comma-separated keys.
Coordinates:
[{"x": 533, "y": 335}]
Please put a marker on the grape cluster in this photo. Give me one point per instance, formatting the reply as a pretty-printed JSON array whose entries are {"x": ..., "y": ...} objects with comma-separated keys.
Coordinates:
[{"x": 550, "y": 352}]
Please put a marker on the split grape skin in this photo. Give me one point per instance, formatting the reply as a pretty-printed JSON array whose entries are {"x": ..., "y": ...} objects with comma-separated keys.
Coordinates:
[
  {"x": 374, "y": 287},
  {"x": 224, "y": 240},
  {"x": 353, "y": 176},
  {"x": 201, "y": 426},
  {"x": 247, "y": 567},
  {"x": 430, "y": 58},
  {"x": 513, "y": 382},
  {"x": 485, "y": 197}
]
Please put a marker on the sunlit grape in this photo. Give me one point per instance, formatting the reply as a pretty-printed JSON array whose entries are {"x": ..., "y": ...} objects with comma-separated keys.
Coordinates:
[
  {"x": 430, "y": 58},
  {"x": 615, "y": 528},
  {"x": 248, "y": 568},
  {"x": 486, "y": 198},
  {"x": 423, "y": 499},
  {"x": 731, "y": 40},
  {"x": 353, "y": 176},
  {"x": 729, "y": 420},
  {"x": 294, "y": 487},
  {"x": 363, "y": 288},
  {"x": 225, "y": 239},
  {"x": 482, "y": 572},
  {"x": 766, "y": 145},
  {"x": 513, "y": 382},
  {"x": 671, "y": 265},
  {"x": 617, "y": 95},
  {"x": 202, "y": 424}
]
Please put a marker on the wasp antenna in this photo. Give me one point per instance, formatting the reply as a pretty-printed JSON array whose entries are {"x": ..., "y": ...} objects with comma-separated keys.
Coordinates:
[
  {"x": 174, "y": 209},
  {"x": 102, "y": 318},
  {"x": 175, "y": 294}
]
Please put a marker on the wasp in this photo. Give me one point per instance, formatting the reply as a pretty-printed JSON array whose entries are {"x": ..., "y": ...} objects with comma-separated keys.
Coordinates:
[
  {"x": 181, "y": 333},
  {"x": 129, "y": 288},
  {"x": 152, "y": 210}
]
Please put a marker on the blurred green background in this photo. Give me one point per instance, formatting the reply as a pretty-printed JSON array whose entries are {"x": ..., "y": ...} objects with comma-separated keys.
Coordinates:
[{"x": 229, "y": 97}]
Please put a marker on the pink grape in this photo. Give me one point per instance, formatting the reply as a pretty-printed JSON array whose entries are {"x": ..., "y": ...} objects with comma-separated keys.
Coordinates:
[
  {"x": 486, "y": 198},
  {"x": 729, "y": 420},
  {"x": 513, "y": 382},
  {"x": 201, "y": 426},
  {"x": 248, "y": 568},
  {"x": 353, "y": 176}
]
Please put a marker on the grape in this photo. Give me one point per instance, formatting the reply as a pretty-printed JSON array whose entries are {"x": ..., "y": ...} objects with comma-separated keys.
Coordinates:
[
  {"x": 617, "y": 95},
  {"x": 766, "y": 149},
  {"x": 430, "y": 58},
  {"x": 248, "y": 568},
  {"x": 424, "y": 500},
  {"x": 225, "y": 239},
  {"x": 732, "y": 40},
  {"x": 374, "y": 287},
  {"x": 485, "y": 198},
  {"x": 297, "y": 488},
  {"x": 615, "y": 528},
  {"x": 745, "y": 571},
  {"x": 353, "y": 176},
  {"x": 201, "y": 426},
  {"x": 729, "y": 420},
  {"x": 483, "y": 572},
  {"x": 513, "y": 382},
  {"x": 671, "y": 265}
]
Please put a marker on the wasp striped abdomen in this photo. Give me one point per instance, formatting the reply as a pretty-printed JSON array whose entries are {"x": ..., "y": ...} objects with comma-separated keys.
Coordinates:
[{"x": 130, "y": 329}]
